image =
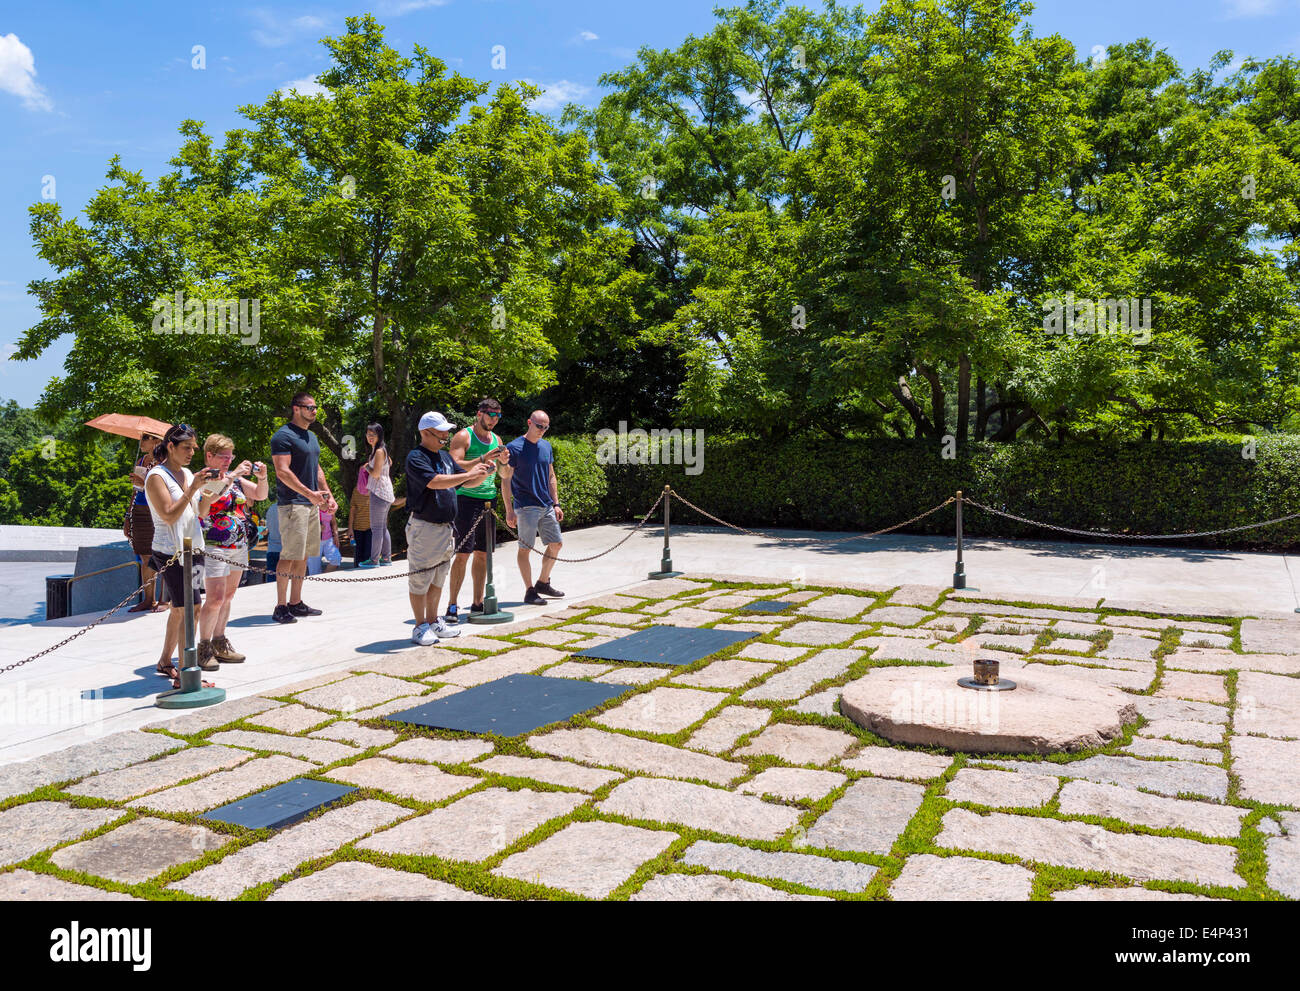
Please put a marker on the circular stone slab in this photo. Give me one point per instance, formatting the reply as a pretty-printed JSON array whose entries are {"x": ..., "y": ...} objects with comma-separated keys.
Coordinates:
[{"x": 1048, "y": 712}]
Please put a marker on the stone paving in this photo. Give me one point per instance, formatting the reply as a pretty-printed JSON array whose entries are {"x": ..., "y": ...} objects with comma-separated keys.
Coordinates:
[{"x": 733, "y": 778}]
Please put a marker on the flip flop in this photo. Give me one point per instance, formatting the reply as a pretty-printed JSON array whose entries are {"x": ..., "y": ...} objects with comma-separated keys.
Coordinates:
[
  {"x": 141, "y": 607},
  {"x": 176, "y": 683}
]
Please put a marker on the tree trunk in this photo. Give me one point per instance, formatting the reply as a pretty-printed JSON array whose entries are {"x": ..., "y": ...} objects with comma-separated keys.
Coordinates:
[
  {"x": 981, "y": 410},
  {"x": 963, "y": 398},
  {"x": 938, "y": 411}
]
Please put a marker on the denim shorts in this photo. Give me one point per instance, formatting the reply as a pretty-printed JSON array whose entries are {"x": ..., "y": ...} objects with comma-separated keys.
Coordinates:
[{"x": 535, "y": 519}]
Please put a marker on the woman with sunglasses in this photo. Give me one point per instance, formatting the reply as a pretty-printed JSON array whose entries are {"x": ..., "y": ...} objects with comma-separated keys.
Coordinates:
[
  {"x": 177, "y": 500},
  {"x": 227, "y": 528}
]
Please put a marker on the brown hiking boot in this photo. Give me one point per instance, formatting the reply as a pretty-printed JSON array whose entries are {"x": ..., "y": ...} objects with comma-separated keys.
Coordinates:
[
  {"x": 208, "y": 661},
  {"x": 224, "y": 652}
]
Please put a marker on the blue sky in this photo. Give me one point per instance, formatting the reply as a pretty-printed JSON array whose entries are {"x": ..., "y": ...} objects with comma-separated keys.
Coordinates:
[{"x": 80, "y": 83}]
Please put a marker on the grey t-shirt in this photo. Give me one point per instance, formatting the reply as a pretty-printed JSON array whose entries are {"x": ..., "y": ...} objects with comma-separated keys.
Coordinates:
[{"x": 304, "y": 456}]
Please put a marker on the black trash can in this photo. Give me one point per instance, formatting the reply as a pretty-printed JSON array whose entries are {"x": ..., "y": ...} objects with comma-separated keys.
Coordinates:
[{"x": 56, "y": 596}]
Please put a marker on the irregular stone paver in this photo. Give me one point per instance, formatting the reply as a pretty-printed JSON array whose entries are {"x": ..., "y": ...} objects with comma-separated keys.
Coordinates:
[
  {"x": 36, "y": 826},
  {"x": 896, "y": 615},
  {"x": 915, "y": 595},
  {"x": 594, "y": 746},
  {"x": 950, "y": 624},
  {"x": 139, "y": 850},
  {"x": 476, "y": 826},
  {"x": 926, "y": 878},
  {"x": 128, "y": 782},
  {"x": 661, "y": 710},
  {"x": 346, "y": 731},
  {"x": 1019, "y": 612},
  {"x": 713, "y": 888},
  {"x": 823, "y": 703},
  {"x": 1087, "y": 847},
  {"x": 1002, "y": 789},
  {"x": 750, "y": 626},
  {"x": 354, "y": 881},
  {"x": 624, "y": 619},
  {"x": 1144, "y": 746},
  {"x": 724, "y": 674},
  {"x": 225, "y": 786},
  {"x": 1077, "y": 629},
  {"x": 701, "y": 807},
  {"x": 1206, "y": 640},
  {"x": 319, "y": 751},
  {"x": 799, "y": 868},
  {"x": 598, "y": 629},
  {"x": 439, "y": 751},
  {"x": 1113, "y": 802},
  {"x": 1269, "y": 769},
  {"x": 107, "y": 753},
  {"x": 552, "y": 638},
  {"x": 632, "y": 675},
  {"x": 27, "y": 886},
  {"x": 1184, "y": 729},
  {"x": 887, "y": 762},
  {"x": 665, "y": 587},
  {"x": 686, "y": 616},
  {"x": 793, "y": 783},
  {"x": 556, "y": 772},
  {"x": 1213, "y": 659},
  {"x": 1168, "y": 777},
  {"x": 418, "y": 781},
  {"x": 723, "y": 730},
  {"x": 291, "y": 718},
  {"x": 485, "y": 644},
  {"x": 1003, "y": 641},
  {"x": 358, "y": 692},
  {"x": 402, "y": 704},
  {"x": 796, "y": 681},
  {"x": 1140, "y": 680},
  {"x": 820, "y": 634},
  {"x": 1283, "y": 858},
  {"x": 1069, "y": 643},
  {"x": 900, "y": 648},
  {"x": 1160, "y": 708},
  {"x": 412, "y": 663},
  {"x": 868, "y": 817},
  {"x": 1270, "y": 636},
  {"x": 519, "y": 661},
  {"x": 1141, "y": 622},
  {"x": 612, "y": 601},
  {"x": 268, "y": 860},
  {"x": 837, "y": 606},
  {"x": 1267, "y": 705},
  {"x": 577, "y": 669},
  {"x": 216, "y": 715},
  {"x": 587, "y": 858},
  {"x": 799, "y": 744},
  {"x": 735, "y": 600},
  {"x": 1125, "y": 645},
  {"x": 1086, "y": 894},
  {"x": 1201, "y": 687}
]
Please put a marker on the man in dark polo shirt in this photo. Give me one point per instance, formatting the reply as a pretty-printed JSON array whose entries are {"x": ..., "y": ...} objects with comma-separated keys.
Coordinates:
[
  {"x": 301, "y": 490},
  {"x": 431, "y": 481}
]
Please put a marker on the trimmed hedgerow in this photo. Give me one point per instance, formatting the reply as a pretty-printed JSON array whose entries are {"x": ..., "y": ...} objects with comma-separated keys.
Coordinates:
[{"x": 1132, "y": 487}]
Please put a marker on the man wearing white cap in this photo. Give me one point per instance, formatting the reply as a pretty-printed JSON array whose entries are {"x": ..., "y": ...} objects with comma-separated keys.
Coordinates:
[{"x": 431, "y": 481}]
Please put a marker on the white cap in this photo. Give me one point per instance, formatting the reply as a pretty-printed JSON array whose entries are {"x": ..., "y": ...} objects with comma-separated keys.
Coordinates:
[{"x": 435, "y": 421}]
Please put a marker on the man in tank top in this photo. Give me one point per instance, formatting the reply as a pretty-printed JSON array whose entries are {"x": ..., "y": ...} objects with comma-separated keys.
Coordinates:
[{"x": 476, "y": 444}]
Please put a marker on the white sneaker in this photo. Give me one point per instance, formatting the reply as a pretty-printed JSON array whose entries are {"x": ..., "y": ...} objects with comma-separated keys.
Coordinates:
[
  {"x": 418, "y": 635},
  {"x": 428, "y": 637},
  {"x": 443, "y": 631}
]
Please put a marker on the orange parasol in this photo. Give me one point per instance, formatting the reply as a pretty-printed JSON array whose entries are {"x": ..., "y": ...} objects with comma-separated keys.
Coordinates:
[{"x": 125, "y": 425}]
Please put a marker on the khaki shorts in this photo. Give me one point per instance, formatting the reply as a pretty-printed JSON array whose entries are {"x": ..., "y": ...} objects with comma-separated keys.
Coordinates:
[
  {"x": 299, "y": 532},
  {"x": 428, "y": 545}
]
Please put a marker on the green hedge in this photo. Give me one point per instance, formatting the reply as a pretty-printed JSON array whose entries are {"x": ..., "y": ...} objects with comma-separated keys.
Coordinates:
[{"x": 1166, "y": 487}]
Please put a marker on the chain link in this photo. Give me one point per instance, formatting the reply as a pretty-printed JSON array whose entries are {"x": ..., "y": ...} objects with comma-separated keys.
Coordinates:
[
  {"x": 86, "y": 629},
  {"x": 838, "y": 540},
  {"x": 583, "y": 560},
  {"x": 1127, "y": 536}
]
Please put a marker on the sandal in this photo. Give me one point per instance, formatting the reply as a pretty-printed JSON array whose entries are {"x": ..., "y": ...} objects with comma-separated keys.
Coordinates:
[
  {"x": 141, "y": 607},
  {"x": 176, "y": 683},
  {"x": 168, "y": 670}
]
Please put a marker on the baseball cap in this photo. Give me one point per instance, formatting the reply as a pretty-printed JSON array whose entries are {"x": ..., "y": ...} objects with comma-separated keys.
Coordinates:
[{"x": 435, "y": 421}]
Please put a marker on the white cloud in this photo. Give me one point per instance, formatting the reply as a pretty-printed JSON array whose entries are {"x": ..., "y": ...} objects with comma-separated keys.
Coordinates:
[
  {"x": 18, "y": 73},
  {"x": 582, "y": 36},
  {"x": 306, "y": 86},
  {"x": 1252, "y": 8},
  {"x": 556, "y": 95},
  {"x": 275, "y": 31}
]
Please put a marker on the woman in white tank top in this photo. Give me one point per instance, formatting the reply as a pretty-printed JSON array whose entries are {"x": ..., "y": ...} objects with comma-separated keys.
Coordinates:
[{"x": 176, "y": 501}]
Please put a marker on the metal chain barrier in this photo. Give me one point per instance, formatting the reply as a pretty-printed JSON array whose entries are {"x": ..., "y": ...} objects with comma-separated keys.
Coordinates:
[
  {"x": 86, "y": 629},
  {"x": 1128, "y": 536},
  {"x": 838, "y": 540},
  {"x": 583, "y": 560}
]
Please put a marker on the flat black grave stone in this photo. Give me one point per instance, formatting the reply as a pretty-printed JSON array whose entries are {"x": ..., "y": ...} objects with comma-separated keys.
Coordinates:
[
  {"x": 280, "y": 806},
  {"x": 766, "y": 605},
  {"x": 511, "y": 706},
  {"x": 676, "y": 645}
]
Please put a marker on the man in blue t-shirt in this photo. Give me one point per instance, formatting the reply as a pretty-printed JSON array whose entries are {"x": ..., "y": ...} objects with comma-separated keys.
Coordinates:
[{"x": 533, "y": 503}]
